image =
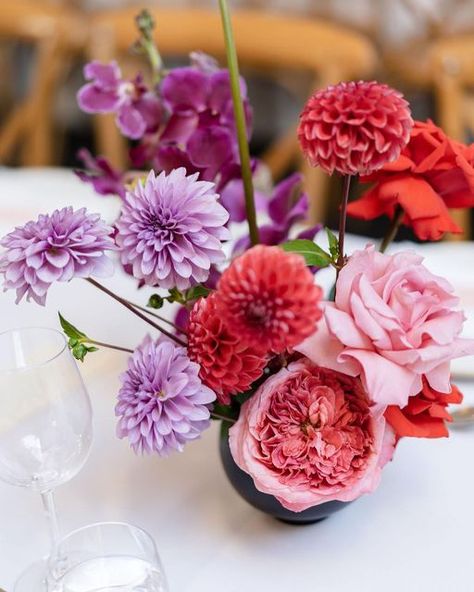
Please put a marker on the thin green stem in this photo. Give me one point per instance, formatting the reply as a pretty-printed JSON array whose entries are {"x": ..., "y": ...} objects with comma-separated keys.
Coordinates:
[
  {"x": 157, "y": 316},
  {"x": 342, "y": 222},
  {"x": 222, "y": 417},
  {"x": 125, "y": 303},
  {"x": 240, "y": 122},
  {"x": 109, "y": 346},
  {"x": 393, "y": 229}
]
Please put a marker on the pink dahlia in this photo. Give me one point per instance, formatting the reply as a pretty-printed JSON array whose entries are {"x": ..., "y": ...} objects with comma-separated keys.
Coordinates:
[
  {"x": 55, "y": 248},
  {"x": 268, "y": 298},
  {"x": 170, "y": 230},
  {"x": 162, "y": 403},
  {"x": 310, "y": 435},
  {"x": 227, "y": 365},
  {"x": 354, "y": 128}
]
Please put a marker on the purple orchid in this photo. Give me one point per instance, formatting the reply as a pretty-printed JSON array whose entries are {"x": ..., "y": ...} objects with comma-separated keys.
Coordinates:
[
  {"x": 99, "y": 172},
  {"x": 287, "y": 206},
  {"x": 138, "y": 110}
]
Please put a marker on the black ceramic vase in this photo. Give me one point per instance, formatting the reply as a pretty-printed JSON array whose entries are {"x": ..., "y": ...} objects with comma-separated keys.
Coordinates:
[{"x": 268, "y": 504}]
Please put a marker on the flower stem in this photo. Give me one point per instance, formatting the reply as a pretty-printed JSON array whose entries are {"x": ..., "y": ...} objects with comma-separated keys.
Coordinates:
[
  {"x": 393, "y": 229},
  {"x": 240, "y": 123},
  {"x": 342, "y": 222},
  {"x": 125, "y": 303},
  {"x": 109, "y": 346},
  {"x": 157, "y": 316},
  {"x": 222, "y": 417}
]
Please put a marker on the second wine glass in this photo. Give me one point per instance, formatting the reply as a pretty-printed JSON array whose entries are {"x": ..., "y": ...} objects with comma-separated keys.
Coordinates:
[{"x": 45, "y": 424}]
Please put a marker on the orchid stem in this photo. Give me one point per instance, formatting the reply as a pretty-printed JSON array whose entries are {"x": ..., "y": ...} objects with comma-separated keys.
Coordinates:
[
  {"x": 110, "y": 346},
  {"x": 393, "y": 229},
  {"x": 157, "y": 316},
  {"x": 342, "y": 222},
  {"x": 139, "y": 314},
  {"x": 222, "y": 417},
  {"x": 240, "y": 122}
]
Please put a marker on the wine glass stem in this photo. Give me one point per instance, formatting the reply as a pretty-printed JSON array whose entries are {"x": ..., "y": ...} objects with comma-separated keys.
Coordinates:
[{"x": 51, "y": 516}]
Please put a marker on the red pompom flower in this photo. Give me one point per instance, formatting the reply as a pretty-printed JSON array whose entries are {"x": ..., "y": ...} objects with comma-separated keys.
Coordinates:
[
  {"x": 354, "y": 127},
  {"x": 268, "y": 298},
  {"x": 228, "y": 366}
]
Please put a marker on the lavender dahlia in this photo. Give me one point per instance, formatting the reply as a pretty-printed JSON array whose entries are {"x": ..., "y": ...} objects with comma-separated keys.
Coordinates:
[
  {"x": 162, "y": 403},
  {"x": 170, "y": 230},
  {"x": 55, "y": 248}
]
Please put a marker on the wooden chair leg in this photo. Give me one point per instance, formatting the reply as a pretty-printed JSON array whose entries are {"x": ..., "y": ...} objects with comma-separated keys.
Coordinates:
[
  {"x": 449, "y": 101},
  {"x": 12, "y": 131}
]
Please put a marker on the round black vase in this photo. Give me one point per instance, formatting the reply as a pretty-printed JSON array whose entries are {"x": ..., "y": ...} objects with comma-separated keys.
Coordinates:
[{"x": 268, "y": 504}]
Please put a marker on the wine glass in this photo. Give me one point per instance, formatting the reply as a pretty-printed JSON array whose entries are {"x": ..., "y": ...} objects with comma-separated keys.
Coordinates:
[
  {"x": 106, "y": 557},
  {"x": 45, "y": 423}
]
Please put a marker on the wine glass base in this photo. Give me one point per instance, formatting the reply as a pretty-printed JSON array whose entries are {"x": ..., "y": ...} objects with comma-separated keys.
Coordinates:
[{"x": 33, "y": 579}]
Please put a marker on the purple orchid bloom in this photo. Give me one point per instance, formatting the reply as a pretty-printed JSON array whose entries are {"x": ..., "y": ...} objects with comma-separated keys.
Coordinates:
[
  {"x": 287, "y": 206},
  {"x": 137, "y": 109},
  {"x": 99, "y": 172}
]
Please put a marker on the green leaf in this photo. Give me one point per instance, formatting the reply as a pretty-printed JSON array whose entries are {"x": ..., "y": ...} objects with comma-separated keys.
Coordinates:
[
  {"x": 155, "y": 301},
  {"x": 312, "y": 253},
  {"x": 333, "y": 244},
  {"x": 176, "y": 296},
  {"x": 72, "y": 332},
  {"x": 79, "y": 352},
  {"x": 197, "y": 292}
]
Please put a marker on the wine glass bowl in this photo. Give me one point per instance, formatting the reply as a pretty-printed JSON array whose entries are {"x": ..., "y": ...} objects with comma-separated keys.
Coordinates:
[
  {"x": 46, "y": 418},
  {"x": 104, "y": 557}
]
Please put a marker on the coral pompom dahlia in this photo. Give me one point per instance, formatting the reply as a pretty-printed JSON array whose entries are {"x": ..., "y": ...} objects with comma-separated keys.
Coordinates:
[
  {"x": 354, "y": 127},
  {"x": 268, "y": 298},
  {"x": 228, "y": 366}
]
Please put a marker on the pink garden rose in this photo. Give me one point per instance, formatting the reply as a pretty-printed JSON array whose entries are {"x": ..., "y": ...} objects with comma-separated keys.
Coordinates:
[
  {"x": 309, "y": 436},
  {"x": 393, "y": 321}
]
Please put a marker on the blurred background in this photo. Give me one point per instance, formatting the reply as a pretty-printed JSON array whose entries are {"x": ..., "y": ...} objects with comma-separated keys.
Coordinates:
[{"x": 287, "y": 48}]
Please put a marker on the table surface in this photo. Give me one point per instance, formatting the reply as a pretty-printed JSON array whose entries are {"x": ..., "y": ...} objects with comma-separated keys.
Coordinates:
[{"x": 414, "y": 533}]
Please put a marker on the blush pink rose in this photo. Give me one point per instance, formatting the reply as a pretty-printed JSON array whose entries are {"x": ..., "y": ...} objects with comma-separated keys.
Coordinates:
[
  {"x": 309, "y": 435},
  {"x": 393, "y": 321}
]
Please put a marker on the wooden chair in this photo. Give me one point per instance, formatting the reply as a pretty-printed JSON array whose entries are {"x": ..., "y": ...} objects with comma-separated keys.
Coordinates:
[
  {"x": 265, "y": 42},
  {"x": 55, "y": 32}
]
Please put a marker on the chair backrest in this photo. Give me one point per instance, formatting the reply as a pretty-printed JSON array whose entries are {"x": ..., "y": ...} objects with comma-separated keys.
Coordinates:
[
  {"x": 53, "y": 31},
  {"x": 452, "y": 69}
]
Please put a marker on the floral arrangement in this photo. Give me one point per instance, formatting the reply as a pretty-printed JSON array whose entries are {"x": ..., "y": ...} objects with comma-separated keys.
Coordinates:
[{"x": 316, "y": 391}]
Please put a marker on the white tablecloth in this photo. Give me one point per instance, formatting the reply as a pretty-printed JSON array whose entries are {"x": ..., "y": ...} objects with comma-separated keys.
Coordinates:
[{"x": 415, "y": 533}]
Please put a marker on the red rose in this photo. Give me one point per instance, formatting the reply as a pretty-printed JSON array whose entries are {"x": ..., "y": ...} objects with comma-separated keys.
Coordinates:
[
  {"x": 425, "y": 415},
  {"x": 432, "y": 174}
]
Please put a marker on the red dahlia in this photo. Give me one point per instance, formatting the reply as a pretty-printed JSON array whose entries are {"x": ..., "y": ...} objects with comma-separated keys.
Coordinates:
[
  {"x": 228, "y": 366},
  {"x": 268, "y": 298},
  {"x": 354, "y": 127}
]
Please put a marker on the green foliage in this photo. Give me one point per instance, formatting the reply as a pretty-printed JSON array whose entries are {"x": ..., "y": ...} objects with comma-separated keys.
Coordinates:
[
  {"x": 333, "y": 244},
  {"x": 312, "y": 253},
  {"x": 174, "y": 295},
  {"x": 77, "y": 340},
  {"x": 155, "y": 301}
]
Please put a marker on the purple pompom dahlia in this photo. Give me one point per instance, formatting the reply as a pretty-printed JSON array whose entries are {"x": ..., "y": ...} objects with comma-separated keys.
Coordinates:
[
  {"x": 162, "y": 403},
  {"x": 55, "y": 248},
  {"x": 170, "y": 230}
]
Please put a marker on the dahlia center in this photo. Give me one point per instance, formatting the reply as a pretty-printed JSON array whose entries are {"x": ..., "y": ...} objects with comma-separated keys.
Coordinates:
[{"x": 257, "y": 313}]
